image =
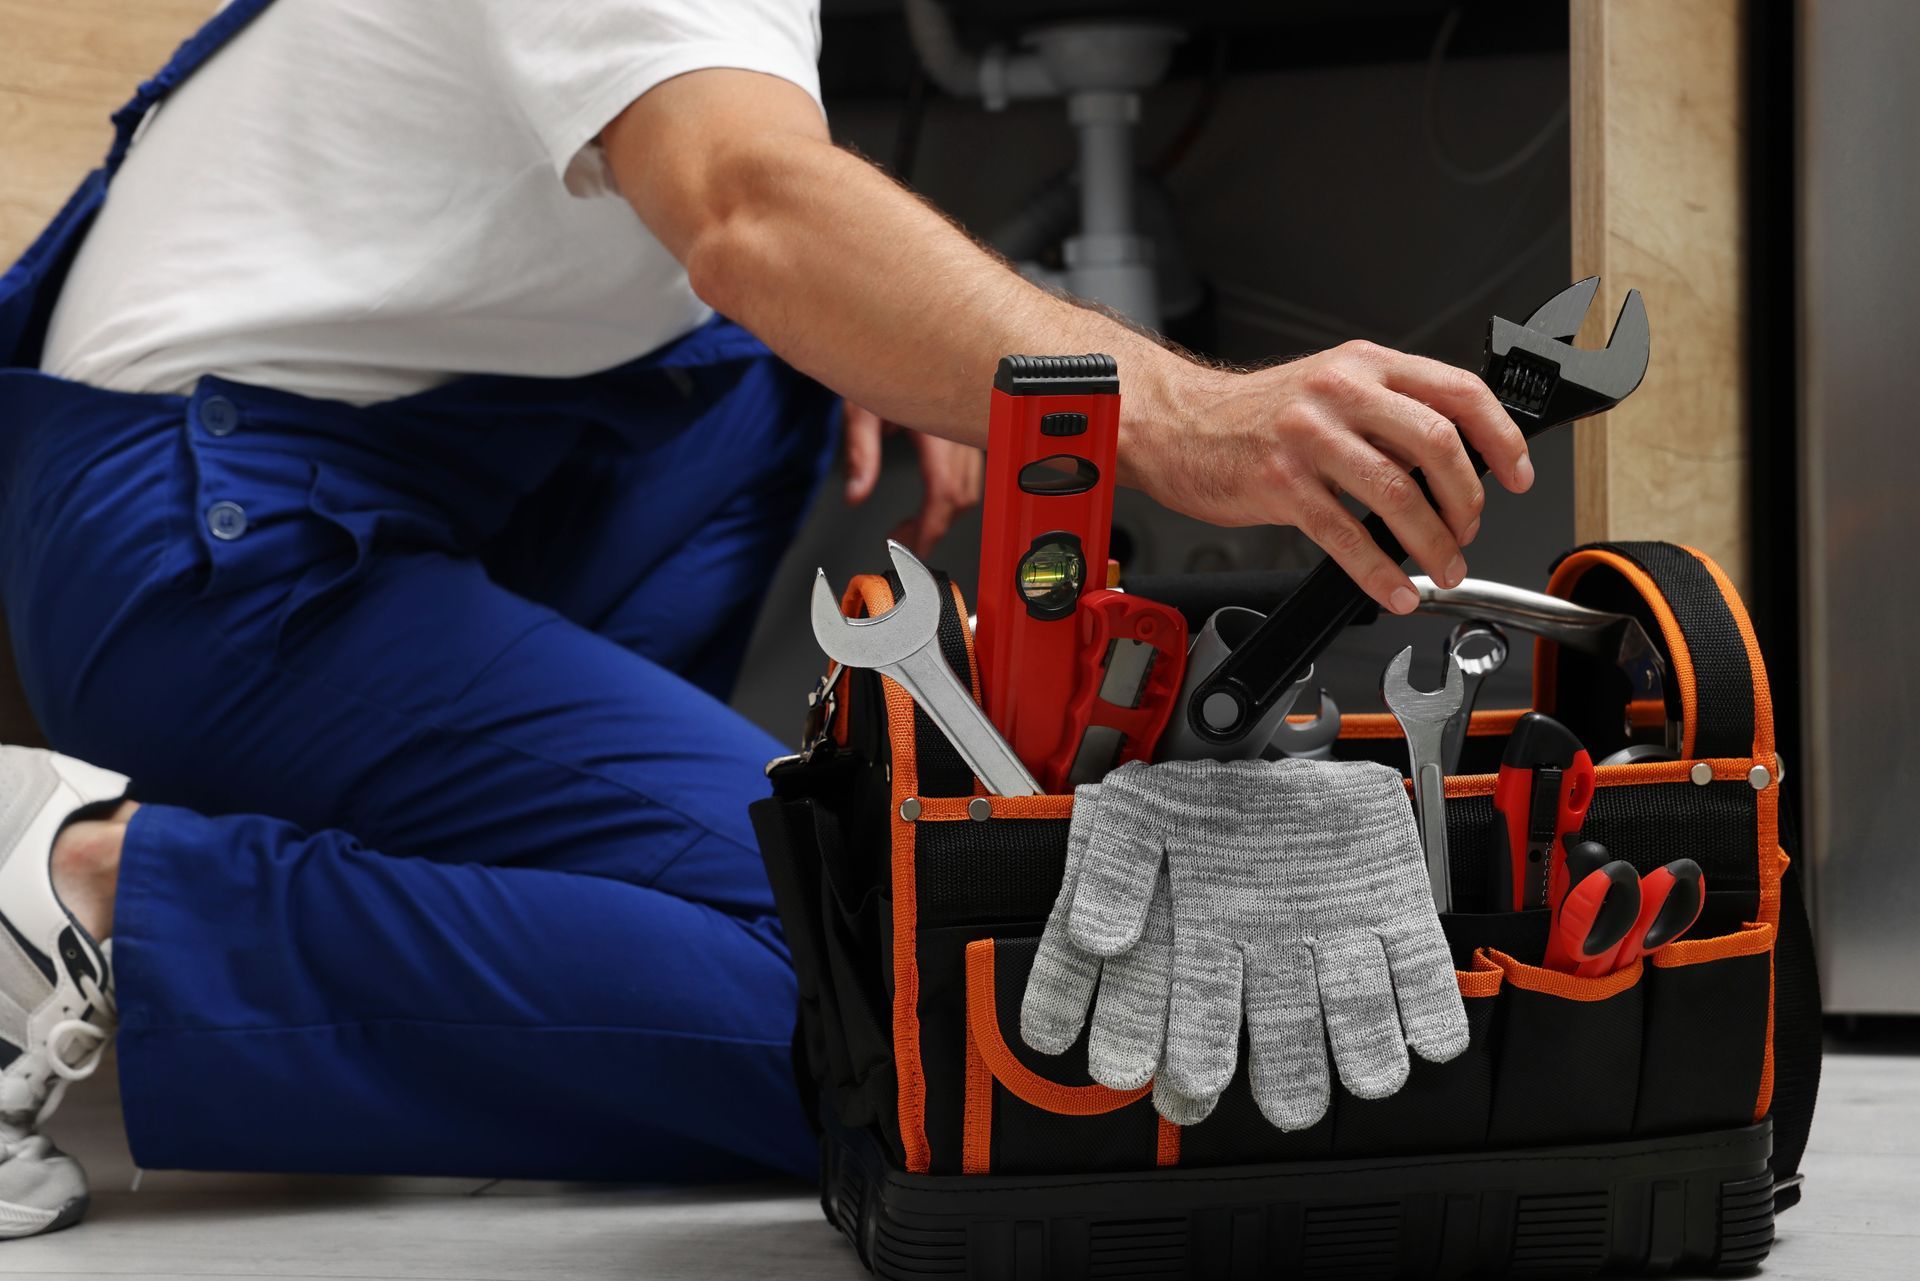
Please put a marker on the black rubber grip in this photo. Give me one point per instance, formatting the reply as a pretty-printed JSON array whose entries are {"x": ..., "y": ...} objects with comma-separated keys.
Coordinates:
[{"x": 1090, "y": 375}]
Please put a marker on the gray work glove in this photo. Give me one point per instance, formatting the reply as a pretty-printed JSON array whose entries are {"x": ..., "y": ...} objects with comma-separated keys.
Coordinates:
[
  {"x": 1299, "y": 892},
  {"x": 1129, "y": 1029}
]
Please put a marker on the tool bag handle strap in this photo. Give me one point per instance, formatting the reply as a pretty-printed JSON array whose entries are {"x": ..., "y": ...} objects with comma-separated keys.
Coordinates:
[{"x": 1716, "y": 684}]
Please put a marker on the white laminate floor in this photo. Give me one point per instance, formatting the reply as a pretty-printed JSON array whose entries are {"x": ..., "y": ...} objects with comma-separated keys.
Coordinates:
[{"x": 1860, "y": 1220}]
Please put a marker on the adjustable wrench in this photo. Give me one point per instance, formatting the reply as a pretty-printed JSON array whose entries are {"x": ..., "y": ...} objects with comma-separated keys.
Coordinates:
[
  {"x": 904, "y": 644},
  {"x": 1543, "y": 381},
  {"x": 1423, "y": 717}
]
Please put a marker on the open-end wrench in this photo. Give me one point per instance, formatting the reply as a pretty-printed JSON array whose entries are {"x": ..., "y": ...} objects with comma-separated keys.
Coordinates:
[
  {"x": 1479, "y": 649},
  {"x": 1543, "y": 381},
  {"x": 1423, "y": 717},
  {"x": 904, "y": 644}
]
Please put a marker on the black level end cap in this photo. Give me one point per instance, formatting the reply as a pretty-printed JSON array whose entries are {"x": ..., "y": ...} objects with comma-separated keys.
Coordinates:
[{"x": 1089, "y": 375}]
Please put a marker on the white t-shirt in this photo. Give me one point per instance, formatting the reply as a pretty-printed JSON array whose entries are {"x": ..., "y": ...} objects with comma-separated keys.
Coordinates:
[{"x": 361, "y": 199}]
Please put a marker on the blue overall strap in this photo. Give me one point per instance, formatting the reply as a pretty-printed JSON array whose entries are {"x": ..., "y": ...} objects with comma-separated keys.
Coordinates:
[{"x": 194, "y": 51}]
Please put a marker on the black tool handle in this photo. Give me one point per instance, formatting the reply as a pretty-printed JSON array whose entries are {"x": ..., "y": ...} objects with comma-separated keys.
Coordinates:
[
  {"x": 1198, "y": 595},
  {"x": 1281, "y": 649}
]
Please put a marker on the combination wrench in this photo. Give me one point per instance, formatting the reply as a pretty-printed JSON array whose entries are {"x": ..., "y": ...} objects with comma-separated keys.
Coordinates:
[
  {"x": 904, "y": 645},
  {"x": 1479, "y": 649},
  {"x": 1423, "y": 717}
]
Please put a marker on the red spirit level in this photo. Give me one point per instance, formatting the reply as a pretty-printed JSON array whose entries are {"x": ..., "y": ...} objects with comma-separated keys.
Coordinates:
[{"x": 1046, "y": 520}]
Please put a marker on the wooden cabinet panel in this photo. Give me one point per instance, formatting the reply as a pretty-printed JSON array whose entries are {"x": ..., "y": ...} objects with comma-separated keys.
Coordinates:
[{"x": 1658, "y": 205}]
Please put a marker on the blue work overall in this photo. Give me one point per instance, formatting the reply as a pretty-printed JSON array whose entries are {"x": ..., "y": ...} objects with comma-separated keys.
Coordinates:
[{"x": 444, "y": 864}]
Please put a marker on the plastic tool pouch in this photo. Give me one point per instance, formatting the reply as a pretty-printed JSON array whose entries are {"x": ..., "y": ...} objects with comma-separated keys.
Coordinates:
[{"x": 1641, "y": 1120}]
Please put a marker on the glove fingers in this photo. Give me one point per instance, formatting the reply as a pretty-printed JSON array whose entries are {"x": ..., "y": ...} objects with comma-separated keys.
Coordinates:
[
  {"x": 1179, "y": 1108},
  {"x": 1130, "y": 1017},
  {"x": 1431, "y": 1011},
  {"x": 1286, "y": 1039},
  {"x": 1203, "y": 1021},
  {"x": 1061, "y": 984},
  {"x": 1118, "y": 870},
  {"x": 1059, "y": 990},
  {"x": 1363, "y": 1022}
]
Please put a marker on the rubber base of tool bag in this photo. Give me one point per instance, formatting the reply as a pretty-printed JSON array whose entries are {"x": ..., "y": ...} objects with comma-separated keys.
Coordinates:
[{"x": 1697, "y": 1203}]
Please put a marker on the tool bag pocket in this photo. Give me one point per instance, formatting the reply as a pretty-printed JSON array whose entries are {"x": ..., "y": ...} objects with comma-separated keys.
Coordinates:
[
  {"x": 1707, "y": 1028},
  {"x": 834, "y": 913},
  {"x": 1567, "y": 1066},
  {"x": 1030, "y": 1113},
  {"x": 1443, "y": 1107}
]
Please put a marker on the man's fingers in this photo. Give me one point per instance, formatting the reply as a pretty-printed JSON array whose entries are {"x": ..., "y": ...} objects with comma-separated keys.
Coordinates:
[
  {"x": 1321, "y": 518},
  {"x": 1418, "y": 436},
  {"x": 1389, "y": 491},
  {"x": 862, "y": 432},
  {"x": 936, "y": 514},
  {"x": 973, "y": 476},
  {"x": 952, "y": 475},
  {"x": 1468, "y": 401}
]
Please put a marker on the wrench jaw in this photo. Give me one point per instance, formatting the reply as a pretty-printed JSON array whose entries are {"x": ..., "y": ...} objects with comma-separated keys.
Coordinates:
[
  {"x": 903, "y": 644},
  {"x": 887, "y": 638},
  {"x": 1543, "y": 380},
  {"x": 1561, "y": 315},
  {"x": 1404, "y": 701}
]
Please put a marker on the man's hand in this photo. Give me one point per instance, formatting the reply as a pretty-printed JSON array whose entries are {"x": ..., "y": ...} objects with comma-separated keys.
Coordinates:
[
  {"x": 951, "y": 475},
  {"x": 1280, "y": 446}
]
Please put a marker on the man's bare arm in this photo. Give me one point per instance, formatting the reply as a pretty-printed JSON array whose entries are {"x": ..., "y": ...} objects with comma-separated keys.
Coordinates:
[{"x": 857, "y": 282}]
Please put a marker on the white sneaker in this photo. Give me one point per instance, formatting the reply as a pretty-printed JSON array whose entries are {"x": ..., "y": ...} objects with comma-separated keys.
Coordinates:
[{"x": 56, "y": 985}]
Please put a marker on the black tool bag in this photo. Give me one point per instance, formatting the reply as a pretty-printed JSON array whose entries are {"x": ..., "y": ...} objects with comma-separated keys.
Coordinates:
[{"x": 1650, "y": 1120}]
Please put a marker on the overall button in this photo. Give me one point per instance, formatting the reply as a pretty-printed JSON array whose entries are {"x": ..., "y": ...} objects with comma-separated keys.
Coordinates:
[
  {"x": 219, "y": 416},
  {"x": 227, "y": 521}
]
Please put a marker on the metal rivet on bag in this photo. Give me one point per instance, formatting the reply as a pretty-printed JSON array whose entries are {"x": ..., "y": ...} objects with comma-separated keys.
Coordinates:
[
  {"x": 910, "y": 808},
  {"x": 1701, "y": 773},
  {"x": 1759, "y": 777},
  {"x": 979, "y": 809}
]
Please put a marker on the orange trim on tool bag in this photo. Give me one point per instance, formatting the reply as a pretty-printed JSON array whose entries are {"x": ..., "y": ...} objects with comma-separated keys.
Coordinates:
[
  {"x": 966, "y": 635},
  {"x": 1531, "y": 978},
  {"x": 1021, "y": 1081},
  {"x": 872, "y": 591},
  {"x": 976, "y": 1118},
  {"x": 1494, "y": 722},
  {"x": 1169, "y": 1146},
  {"x": 1751, "y": 940},
  {"x": 1484, "y": 979},
  {"x": 1725, "y": 770},
  {"x": 1546, "y": 653},
  {"x": 1365, "y": 725},
  {"x": 838, "y": 731},
  {"x": 855, "y": 601},
  {"x": 1369, "y": 725},
  {"x": 1014, "y": 1076},
  {"x": 956, "y": 809}
]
